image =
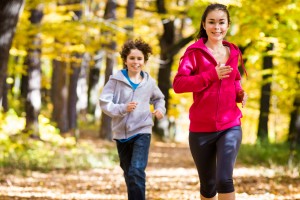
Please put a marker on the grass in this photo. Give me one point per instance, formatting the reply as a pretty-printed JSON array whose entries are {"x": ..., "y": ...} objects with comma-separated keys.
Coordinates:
[{"x": 267, "y": 154}]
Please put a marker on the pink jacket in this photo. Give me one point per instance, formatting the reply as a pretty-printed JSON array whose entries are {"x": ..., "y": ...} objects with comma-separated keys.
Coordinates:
[{"x": 215, "y": 101}]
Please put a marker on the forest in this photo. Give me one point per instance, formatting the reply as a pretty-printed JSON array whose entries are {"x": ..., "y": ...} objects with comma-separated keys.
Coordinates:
[{"x": 56, "y": 56}]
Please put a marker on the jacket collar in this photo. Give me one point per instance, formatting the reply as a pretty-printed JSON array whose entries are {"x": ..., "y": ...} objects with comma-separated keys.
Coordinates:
[
  {"x": 200, "y": 45},
  {"x": 120, "y": 77}
]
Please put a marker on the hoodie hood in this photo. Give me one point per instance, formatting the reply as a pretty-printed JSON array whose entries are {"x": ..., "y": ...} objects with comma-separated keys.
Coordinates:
[
  {"x": 120, "y": 77},
  {"x": 200, "y": 45}
]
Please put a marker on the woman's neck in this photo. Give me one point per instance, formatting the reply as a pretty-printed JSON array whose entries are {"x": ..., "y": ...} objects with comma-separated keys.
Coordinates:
[
  {"x": 215, "y": 46},
  {"x": 218, "y": 51}
]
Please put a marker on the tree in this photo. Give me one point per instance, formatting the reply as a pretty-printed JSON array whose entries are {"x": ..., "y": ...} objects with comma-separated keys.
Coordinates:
[
  {"x": 259, "y": 32},
  {"x": 294, "y": 127},
  {"x": 65, "y": 78},
  {"x": 32, "y": 80},
  {"x": 9, "y": 16},
  {"x": 262, "y": 133},
  {"x": 110, "y": 14},
  {"x": 169, "y": 47}
]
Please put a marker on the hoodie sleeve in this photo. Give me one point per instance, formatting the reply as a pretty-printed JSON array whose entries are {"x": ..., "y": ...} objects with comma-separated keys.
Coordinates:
[
  {"x": 186, "y": 80},
  {"x": 158, "y": 99},
  {"x": 107, "y": 103}
]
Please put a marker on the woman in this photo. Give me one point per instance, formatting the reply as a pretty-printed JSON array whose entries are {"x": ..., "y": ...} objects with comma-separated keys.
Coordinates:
[
  {"x": 126, "y": 98},
  {"x": 209, "y": 69}
]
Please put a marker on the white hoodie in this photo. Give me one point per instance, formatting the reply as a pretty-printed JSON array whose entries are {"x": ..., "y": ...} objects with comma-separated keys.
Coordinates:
[{"x": 118, "y": 92}]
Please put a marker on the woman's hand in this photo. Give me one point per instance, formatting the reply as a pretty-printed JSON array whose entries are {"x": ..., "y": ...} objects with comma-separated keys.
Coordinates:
[
  {"x": 158, "y": 114},
  {"x": 223, "y": 71},
  {"x": 131, "y": 106},
  {"x": 242, "y": 97},
  {"x": 245, "y": 98}
]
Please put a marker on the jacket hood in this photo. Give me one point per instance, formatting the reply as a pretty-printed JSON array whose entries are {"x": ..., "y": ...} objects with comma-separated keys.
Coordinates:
[{"x": 200, "y": 45}]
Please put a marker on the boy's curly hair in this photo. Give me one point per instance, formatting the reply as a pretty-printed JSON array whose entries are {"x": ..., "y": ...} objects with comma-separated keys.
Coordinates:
[{"x": 139, "y": 44}]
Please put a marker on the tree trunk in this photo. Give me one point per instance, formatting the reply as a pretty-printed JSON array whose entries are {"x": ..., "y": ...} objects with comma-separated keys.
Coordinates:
[
  {"x": 130, "y": 9},
  {"x": 59, "y": 96},
  {"x": 82, "y": 87},
  {"x": 4, "y": 101},
  {"x": 169, "y": 48},
  {"x": 64, "y": 85},
  {"x": 9, "y": 16},
  {"x": 164, "y": 83},
  {"x": 94, "y": 76},
  {"x": 72, "y": 96},
  {"x": 105, "y": 131},
  {"x": 294, "y": 128},
  {"x": 130, "y": 15},
  {"x": 110, "y": 13},
  {"x": 262, "y": 134},
  {"x": 33, "y": 79}
]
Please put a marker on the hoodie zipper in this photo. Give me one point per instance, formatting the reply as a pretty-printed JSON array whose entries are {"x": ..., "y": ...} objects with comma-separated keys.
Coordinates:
[
  {"x": 133, "y": 91},
  {"x": 218, "y": 104}
]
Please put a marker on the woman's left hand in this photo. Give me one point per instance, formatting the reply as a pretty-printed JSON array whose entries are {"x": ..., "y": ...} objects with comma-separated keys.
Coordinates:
[{"x": 245, "y": 98}]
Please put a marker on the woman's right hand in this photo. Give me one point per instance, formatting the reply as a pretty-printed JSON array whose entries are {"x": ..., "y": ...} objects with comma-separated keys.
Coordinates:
[{"x": 223, "y": 71}]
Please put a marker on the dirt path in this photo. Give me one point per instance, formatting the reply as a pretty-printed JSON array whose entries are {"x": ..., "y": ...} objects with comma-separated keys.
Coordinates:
[{"x": 170, "y": 176}]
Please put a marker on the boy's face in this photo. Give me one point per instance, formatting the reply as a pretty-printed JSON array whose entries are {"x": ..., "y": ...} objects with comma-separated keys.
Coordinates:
[{"x": 135, "y": 61}]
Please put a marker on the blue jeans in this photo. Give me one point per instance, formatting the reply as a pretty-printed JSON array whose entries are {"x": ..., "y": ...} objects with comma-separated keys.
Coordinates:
[
  {"x": 133, "y": 156},
  {"x": 214, "y": 155}
]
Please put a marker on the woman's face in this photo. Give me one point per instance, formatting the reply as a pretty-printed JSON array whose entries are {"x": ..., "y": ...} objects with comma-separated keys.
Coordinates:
[
  {"x": 135, "y": 61},
  {"x": 216, "y": 25}
]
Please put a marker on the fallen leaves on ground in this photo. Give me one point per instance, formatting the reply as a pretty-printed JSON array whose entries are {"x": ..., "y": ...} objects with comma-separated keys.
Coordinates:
[{"x": 171, "y": 175}]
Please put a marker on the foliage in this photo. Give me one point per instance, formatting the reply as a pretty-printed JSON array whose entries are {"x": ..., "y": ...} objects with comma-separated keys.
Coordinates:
[
  {"x": 51, "y": 151},
  {"x": 267, "y": 154},
  {"x": 254, "y": 25}
]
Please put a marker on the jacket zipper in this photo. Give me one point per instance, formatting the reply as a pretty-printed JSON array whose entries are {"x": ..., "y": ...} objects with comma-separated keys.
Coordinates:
[
  {"x": 218, "y": 103},
  {"x": 128, "y": 115}
]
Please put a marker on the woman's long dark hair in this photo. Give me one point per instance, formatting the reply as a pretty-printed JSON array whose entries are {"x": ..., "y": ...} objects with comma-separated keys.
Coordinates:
[{"x": 202, "y": 32}]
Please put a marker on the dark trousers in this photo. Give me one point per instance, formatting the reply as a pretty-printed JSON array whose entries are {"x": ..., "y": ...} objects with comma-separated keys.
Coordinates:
[
  {"x": 133, "y": 156},
  {"x": 214, "y": 155}
]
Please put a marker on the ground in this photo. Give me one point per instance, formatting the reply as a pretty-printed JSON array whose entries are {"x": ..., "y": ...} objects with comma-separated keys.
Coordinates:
[{"x": 171, "y": 175}]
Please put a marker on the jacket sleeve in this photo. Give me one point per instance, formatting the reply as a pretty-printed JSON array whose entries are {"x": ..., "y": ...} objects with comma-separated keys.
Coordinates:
[
  {"x": 158, "y": 99},
  {"x": 107, "y": 102},
  {"x": 186, "y": 81}
]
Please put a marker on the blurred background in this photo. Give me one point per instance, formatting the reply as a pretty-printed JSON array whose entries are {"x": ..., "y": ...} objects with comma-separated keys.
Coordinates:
[{"x": 56, "y": 55}]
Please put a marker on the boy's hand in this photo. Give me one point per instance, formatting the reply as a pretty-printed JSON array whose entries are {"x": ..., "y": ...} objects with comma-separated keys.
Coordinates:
[
  {"x": 131, "y": 106},
  {"x": 158, "y": 114}
]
